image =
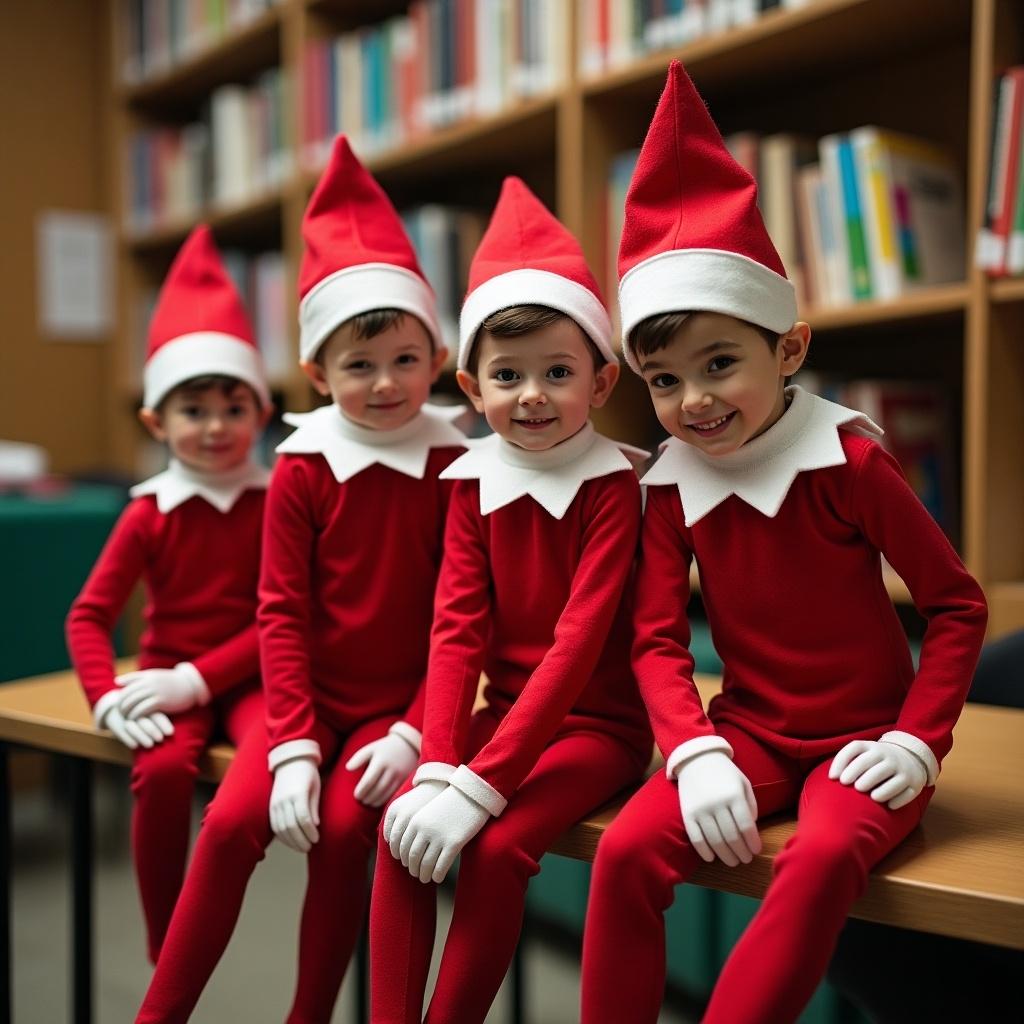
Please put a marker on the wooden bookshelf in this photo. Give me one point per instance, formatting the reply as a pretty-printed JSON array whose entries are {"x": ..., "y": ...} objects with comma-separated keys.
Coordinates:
[{"x": 921, "y": 66}]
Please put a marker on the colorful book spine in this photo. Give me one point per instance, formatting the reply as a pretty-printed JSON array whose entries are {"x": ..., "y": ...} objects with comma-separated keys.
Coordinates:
[
  {"x": 874, "y": 173},
  {"x": 860, "y": 272}
]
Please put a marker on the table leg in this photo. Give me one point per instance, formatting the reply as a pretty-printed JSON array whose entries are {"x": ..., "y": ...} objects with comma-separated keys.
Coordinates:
[
  {"x": 517, "y": 984},
  {"x": 6, "y": 1008},
  {"x": 362, "y": 968},
  {"x": 81, "y": 889}
]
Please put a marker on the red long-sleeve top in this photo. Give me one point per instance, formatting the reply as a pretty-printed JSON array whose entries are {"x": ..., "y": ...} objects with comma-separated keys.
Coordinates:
[
  {"x": 539, "y": 605},
  {"x": 200, "y": 567},
  {"x": 814, "y": 653},
  {"x": 346, "y": 592}
]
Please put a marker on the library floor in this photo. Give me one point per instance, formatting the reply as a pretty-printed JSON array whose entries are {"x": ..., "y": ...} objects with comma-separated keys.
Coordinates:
[{"x": 263, "y": 946}]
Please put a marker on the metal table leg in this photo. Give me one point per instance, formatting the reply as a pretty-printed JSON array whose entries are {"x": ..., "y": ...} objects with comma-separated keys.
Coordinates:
[
  {"x": 362, "y": 968},
  {"x": 81, "y": 889},
  {"x": 517, "y": 984}
]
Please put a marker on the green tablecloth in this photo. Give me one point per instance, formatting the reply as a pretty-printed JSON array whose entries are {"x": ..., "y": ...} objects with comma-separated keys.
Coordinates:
[{"x": 47, "y": 547}]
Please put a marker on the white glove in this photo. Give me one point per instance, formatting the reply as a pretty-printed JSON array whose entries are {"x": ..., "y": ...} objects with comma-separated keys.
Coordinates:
[
  {"x": 438, "y": 832},
  {"x": 147, "y": 731},
  {"x": 295, "y": 803},
  {"x": 402, "y": 810},
  {"x": 892, "y": 773},
  {"x": 719, "y": 810},
  {"x": 162, "y": 689},
  {"x": 389, "y": 761}
]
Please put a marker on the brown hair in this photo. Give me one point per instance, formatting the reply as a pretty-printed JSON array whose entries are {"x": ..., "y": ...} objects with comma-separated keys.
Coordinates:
[
  {"x": 518, "y": 320},
  {"x": 654, "y": 333},
  {"x": 222, "y": 382},
  {"x": 371, "y": 323}
]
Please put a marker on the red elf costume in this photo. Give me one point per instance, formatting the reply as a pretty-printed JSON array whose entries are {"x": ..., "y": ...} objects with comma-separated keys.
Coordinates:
[
  {"x": 193, "y": 537},
  {"x": 538, "y": 551},
  {"x": 788, "y": 532},
  {"x": 352, "y": 546}
]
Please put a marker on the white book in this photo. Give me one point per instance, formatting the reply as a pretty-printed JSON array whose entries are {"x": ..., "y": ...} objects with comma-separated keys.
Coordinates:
[{"x": 230, "y": 124}]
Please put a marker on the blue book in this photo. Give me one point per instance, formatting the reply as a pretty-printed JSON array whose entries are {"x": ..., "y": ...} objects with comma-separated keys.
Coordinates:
[{"x": 860, "y": 272}]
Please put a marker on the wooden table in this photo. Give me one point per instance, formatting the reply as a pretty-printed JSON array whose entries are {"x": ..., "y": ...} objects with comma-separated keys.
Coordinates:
[{"x": 961, "y": 873}]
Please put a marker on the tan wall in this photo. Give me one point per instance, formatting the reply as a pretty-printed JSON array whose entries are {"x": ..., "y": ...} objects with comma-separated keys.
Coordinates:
[{"x": 53, "y": 144}]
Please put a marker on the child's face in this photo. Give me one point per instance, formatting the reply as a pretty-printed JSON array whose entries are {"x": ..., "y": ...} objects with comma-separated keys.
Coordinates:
[
  {"x": 537, "y": 389},
  {"x": 718, "y": 383},
  {"x": 380, "y": 382},
  {"x": 208, "y": 430}
]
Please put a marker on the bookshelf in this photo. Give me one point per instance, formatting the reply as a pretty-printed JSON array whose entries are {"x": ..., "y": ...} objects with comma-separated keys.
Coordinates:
[{"x": 921, "y": 66}]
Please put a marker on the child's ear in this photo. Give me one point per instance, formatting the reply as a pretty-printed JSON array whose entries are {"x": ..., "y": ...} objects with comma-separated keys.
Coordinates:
[
  {"x": 266, "y": 412},
  {"x": 792, "y": 348},
  {"x": 153, "y": 422},
  {"x": 317, "y": 376},
  {"x": 471, "y": 388},
  {"x": 437, "y": 361},
  {"x": 604, "y": 382}
]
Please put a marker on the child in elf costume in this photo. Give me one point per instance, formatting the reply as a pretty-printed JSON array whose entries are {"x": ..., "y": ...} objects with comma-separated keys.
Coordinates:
[
  {"x": 352, "y": 546},
  {"x": 787, "y": 503},
  {"x": 192, "y": 534},
  {"x": 539, "y": 547}
]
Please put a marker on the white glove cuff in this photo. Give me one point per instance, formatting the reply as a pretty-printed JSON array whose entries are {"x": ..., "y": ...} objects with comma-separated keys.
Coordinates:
[
  {"x": 692, "y": 748},
  {"x": 109, "y": 700},
  {"x": 433, "y": 771},
  {"x": 467, "y": 782},
  {"x": 291, "y": 750},
  {"x": 918, "y": 748},
  {"x": 196, "y": 681},
  {"x": 411, "y": 735}
]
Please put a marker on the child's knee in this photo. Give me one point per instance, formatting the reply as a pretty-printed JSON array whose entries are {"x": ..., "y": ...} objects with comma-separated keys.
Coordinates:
[{"x": 164, "y": 769}]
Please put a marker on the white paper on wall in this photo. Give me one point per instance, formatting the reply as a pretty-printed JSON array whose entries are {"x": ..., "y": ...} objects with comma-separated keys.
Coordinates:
[{"x": 73, "y": 250}]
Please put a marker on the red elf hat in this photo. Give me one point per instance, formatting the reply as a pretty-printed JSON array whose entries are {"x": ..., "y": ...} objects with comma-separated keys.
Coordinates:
[
  {"x": 357, "y": 256},
  {"x": 693, "y": 238},
  {"x": 200, "y": 326},
  {"x": 528, "y": 257}
]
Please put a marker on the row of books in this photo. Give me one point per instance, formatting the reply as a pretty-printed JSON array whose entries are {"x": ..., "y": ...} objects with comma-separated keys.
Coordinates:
[
  {"x": 613, "y": 33},
  {"x": 445, "y": 239},
  {"x": 919, "y": 432},
  {"x": 872, "y": 214},
  {"x": 261, "y": 280},
  {"x": 1000, "y": 246},
  {"x": 159, "y": 34},
  {"x": 443, "y": 62},
  {"x": 237, "y": 150}
]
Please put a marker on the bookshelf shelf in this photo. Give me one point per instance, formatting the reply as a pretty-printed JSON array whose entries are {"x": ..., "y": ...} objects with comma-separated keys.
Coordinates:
[
  {"x": 1010, "y": 289},
  {"x": 923, "y": 67},
  {"x": 929, "y": 303},
  {"x": 526, "y": 126},
  {"x": 239, "y": 53},
  {"x": 258, "y": 214},
  {"x": 825, "y": 35}
]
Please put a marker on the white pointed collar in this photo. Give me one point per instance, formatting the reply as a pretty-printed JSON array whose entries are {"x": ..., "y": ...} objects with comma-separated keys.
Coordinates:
[
  {"x": 176, "y": 484},
  {"x": 552, "y": 477},
  {"x": 350, "y": 448},
  {"x": 760, "y": 472}
]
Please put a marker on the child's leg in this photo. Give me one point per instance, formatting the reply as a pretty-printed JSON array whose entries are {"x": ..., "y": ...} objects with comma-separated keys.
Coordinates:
[
  {"x": 775, "y": 967},
  {"x": 640, "y": 860},
  {"x": 403, "y": 916},
  {"x": 335, "y": 906},
  {"x": 162, "y": 782},
  {"x": 232, "y": 841},
  {"x": 577, "y": 773}
]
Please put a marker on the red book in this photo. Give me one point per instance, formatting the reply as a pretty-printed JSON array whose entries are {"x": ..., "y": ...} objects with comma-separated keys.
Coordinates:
[{"x": 1003, "y": 223}]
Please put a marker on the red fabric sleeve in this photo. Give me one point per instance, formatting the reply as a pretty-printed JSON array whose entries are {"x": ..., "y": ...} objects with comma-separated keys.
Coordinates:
[
  {"x": 97, "y": 608},
  {"x": 289, "y": 537},
  {"x": 232, "y": 662},
  {"x": 606, "y": 560},
  {"x": 661, "y": 642},
  {"x": 462, "y": 607},
  {"x": 944, "y": 593}
]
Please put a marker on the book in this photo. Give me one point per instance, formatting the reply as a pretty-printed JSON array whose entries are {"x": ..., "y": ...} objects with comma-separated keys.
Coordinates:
[{"x": 1006, "y": 113}]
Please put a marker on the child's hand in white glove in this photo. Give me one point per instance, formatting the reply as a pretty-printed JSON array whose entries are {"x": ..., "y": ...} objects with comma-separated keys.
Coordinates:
[
  {"x": 171, "y": 690},
  {"x": 295, "y": 803}
]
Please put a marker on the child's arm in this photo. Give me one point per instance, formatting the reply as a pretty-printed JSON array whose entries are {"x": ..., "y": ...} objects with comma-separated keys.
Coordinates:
[
  {"x": 92, "y": 619},
  {"x": 716, "y": 800},
  {"x": 289, "y": 537},
  {"x": 892, "y": 518},
  {"x": 462, "y": 607}
]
